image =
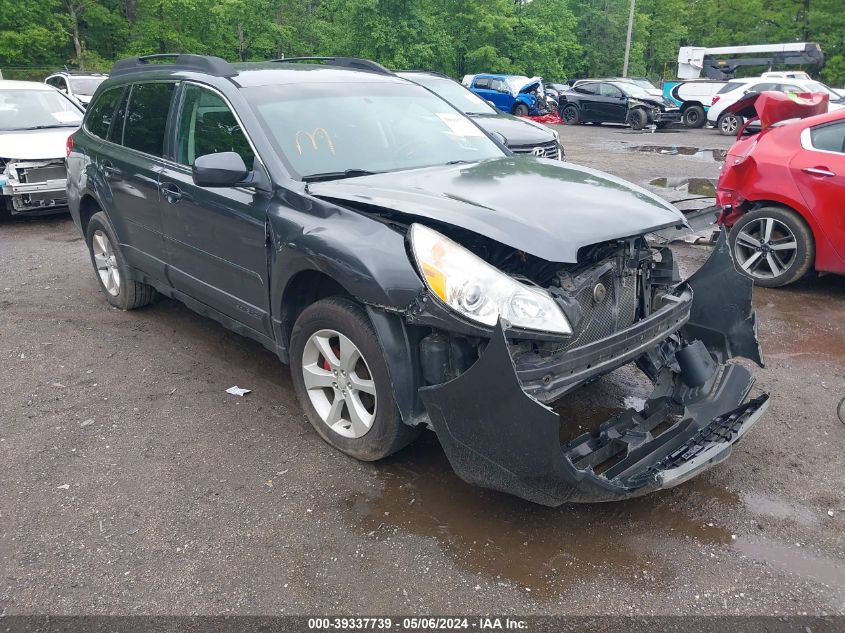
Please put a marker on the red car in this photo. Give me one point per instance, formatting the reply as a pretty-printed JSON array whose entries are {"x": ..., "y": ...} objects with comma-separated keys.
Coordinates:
[{"x": 782, "y": 194}]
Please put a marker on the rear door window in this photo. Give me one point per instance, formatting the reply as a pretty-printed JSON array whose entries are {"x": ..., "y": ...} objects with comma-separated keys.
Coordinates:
[
  {"x": 146, "y": 117},
  {"x": 207, "y": 126},
  {"x": 100, "y": 115},
  {"x": 829, "y": 138}
]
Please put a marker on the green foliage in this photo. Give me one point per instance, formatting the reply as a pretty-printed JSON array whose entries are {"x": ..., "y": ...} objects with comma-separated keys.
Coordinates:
[{"x": 556, "y": 39}]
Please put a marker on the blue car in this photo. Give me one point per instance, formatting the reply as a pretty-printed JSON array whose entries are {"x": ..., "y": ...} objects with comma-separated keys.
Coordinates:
[{"x": 516, "y": 94}]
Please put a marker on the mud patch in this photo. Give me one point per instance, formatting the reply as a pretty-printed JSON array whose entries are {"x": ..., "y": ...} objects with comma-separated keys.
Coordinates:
[
  {"x": 695, "y": 186},
  {"x": 706, "y": 155}
]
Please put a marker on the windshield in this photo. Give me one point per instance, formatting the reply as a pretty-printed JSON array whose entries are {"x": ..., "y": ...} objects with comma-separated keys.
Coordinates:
[
  {"x": 633, "y": 90},
  {"x": 327, "y": 128},
  {"x": 643, "y": 83},
  {"x": 35, "y": 109},
  {"x": 85, "y": 86},
  {"x": 820, "y": 87},
  {"x": 516, "y": 82},
  {"x": 453, "y": 92}
]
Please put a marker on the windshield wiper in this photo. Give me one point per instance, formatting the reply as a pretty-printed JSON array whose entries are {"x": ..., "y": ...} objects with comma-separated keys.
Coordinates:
[{"x": 338, "y": 175}]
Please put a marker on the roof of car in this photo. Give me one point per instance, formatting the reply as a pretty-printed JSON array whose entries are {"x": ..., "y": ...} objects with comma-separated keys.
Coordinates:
[
  {"x": 254, "y": 74},
  {"x": 11, "y": 84}
]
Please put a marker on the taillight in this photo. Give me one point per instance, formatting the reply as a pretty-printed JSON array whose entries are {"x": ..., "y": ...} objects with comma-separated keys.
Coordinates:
[
  {"x": 715, "y": 99},
  {"x": 69, "y": 146}
]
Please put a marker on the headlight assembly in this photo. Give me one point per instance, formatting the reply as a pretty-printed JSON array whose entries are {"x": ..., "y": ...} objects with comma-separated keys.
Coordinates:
[{"x": 478, "y": 291}]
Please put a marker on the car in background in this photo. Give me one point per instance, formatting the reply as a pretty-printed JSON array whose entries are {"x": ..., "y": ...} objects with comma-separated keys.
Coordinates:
[
  {"x": 728, "y": 123},
  {"x": 515, "y": 94},
  {"x": 693, "y": 97},
  {"x": 781, "y": 192},
  {"x": 35, "y": 123},
  {"x": 615, "y": 102},
  {"x": 77, "y": 85},
  {"x": 521, "y": 136}
]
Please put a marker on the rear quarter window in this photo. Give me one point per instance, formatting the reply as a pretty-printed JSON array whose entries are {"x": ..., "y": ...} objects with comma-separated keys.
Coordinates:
[
  {"x": 101, "y": 113},
  {"x": 728, "y": 87},
  {"x": 829, "y": 138}
]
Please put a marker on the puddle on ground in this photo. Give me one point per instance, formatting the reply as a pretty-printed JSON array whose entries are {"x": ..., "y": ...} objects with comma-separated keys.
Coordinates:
[
  {"x": 544, "y": 550},
  {"x": 708, "y": 155},
  {"x": 804, "y": 320},
  {"x": 694, "y": 186},
  {"x": 794, "y": 559},
  {"x": 779, "y": 508}
]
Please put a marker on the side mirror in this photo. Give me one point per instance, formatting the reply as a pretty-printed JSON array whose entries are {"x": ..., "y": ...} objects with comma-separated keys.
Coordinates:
[
  {"x": 224, "y": 169},
  {"x": 490, "y": 103}
]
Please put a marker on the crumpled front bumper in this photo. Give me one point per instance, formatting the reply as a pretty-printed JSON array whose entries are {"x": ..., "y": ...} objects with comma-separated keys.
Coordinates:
[{"x": 498, "y": 436}]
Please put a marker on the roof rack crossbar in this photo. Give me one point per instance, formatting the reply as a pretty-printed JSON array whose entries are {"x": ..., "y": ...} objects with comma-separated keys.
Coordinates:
[
  {"x": 181, "y": 61},
  {"x": 344, "y": 62}
]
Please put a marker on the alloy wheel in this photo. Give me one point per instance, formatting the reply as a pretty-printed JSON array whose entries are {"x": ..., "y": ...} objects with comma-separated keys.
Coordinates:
[
  {"x": 339, "y": 383},
  {"x": 106, "y": 262},
  {"x": 765, "y": 248},
  {"x": 730, "y": 124}
]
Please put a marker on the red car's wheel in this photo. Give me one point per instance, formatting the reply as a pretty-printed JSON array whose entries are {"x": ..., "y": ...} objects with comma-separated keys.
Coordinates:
[{"x": 773, "y": 246}]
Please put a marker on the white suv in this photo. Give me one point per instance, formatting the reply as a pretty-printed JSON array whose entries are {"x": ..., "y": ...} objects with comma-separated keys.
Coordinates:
[{"x": 732, "y": 91}]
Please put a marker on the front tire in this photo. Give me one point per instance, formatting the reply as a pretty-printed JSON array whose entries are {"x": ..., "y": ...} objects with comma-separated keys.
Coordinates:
[
  {"x": 773, "y": 246},
  {"x": 693, "y": 117},
  {"x": 728, "y": 124},
  {"x": 341, "y": 379},
  {"x": 111, "y": 269},
  {"x": 570, "y": 114},
  {"x": 520, "y": 109},
  {"x": 637, "y": 119}
]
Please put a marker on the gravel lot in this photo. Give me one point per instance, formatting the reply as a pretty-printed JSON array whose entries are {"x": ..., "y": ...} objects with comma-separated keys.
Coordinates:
[{"x": 132, "y": 483}]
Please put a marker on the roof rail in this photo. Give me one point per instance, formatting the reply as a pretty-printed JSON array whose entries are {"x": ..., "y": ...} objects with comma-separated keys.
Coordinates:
[
  {"x": 181, "y": 61},
  {"x": 344, "y": 62}
]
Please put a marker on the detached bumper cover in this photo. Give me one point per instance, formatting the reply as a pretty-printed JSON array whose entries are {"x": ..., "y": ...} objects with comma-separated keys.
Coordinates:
[{"x": 498, "y": 436}]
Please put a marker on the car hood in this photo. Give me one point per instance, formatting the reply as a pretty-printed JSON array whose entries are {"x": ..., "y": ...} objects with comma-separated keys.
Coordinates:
[
  {"x": 657, "y": 101},
  {"x": 35, "y": 144},
  {"x": 772, "y": 106},
  {"x": 516, "y": 131},
  {"x": 540, "y": 206},
  {"x": 533, "y": 84}
]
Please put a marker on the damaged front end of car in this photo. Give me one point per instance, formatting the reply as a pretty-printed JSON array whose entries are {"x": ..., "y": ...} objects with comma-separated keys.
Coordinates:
[
  {"x": 487, "y": 397},
  {"x": 33, "y": 186}
]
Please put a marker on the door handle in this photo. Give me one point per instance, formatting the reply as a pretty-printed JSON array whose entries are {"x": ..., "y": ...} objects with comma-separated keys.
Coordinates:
[
  {"x": 171, "y": 192},
  {"x": 108, "y": 168},
  {"x": 818, "y": 171}
]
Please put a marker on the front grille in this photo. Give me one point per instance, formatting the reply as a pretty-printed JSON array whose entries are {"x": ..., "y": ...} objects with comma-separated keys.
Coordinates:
[
  {"x": 616, "y": 311},
  {"x": 544, "y": 150}
]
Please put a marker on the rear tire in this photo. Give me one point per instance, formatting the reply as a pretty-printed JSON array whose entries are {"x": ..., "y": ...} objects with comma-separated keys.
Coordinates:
[
  {"x": 520, "y": 109},
  {"x": 111, "y": 269},
  {"x": 693, "y": 117},
  {"x": 773, "y": 246},
  {"x": 5, "y": 208},
  {"x": 728, "y": 124},
  {"x": 570, "y": 114},
  {"x": 325, "y": 337},
  {"x": 637, "y": 119}
]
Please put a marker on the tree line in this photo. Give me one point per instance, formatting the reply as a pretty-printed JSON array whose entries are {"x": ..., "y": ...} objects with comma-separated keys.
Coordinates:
[{"x": 557, "y": 39}]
